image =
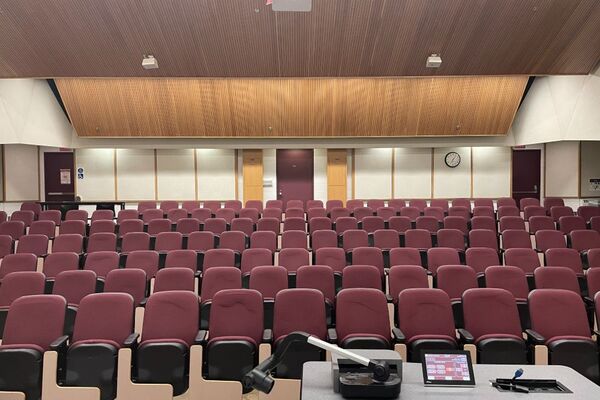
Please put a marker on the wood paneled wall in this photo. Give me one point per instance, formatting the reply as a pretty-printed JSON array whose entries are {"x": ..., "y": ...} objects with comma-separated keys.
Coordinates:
[
  {"x": 337, "y": 172},
  {"x": 292, "y": 107},
  {"x": 338, "y": 38},
  {"x": 252, "y": 172}
]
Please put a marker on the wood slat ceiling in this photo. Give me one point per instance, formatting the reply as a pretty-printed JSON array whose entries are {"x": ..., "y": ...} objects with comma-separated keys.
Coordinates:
[
  {"x": 339, "y": 38},
  {"x": 292, "y": 107}
]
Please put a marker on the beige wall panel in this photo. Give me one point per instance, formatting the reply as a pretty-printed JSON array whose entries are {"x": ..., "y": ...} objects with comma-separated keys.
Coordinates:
[
  {"x": 373, "y": 173},
  {"x": 412, "y": 173},
  {"x": 562, "y": 169},
  {"x": 492, "y": 171},
  {"x": 98, "y": 181},
  {"x": 175, "y": 174},
  {"x": 451, "y": 182},
  {"x": 216, "y": 174},
  {"x": 135, "y": 174},
  {"x": 590, "y": 167},
  {"x": 21, "y": 172}
]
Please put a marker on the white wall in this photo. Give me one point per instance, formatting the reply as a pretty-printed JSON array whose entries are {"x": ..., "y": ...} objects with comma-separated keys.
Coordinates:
[
  {"x": 559, "y": 108},
  {"x": 492, "y": 171},
  {"x": 373, "y": 173},
  {"x": 270, "y": 174},
  {"x": 21, "y": 172},
  {"x": 320, "y": 175},
  {"x": 412, "y": 175},
  {"x": 451, "y": 182},
  {"x": 562, "y": 169},
  {"x": 216, "y": 174},
  {"x": 135, "y": 174},
  {"x": 98, "y": 181},
  {"x": 590, "y": 167},
  {"x": 175, "y": 174},
  {"x": 30, "y": 114}
]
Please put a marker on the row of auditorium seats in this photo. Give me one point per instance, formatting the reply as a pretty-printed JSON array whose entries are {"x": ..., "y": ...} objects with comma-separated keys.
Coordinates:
[{"x": 559, "y": 334}]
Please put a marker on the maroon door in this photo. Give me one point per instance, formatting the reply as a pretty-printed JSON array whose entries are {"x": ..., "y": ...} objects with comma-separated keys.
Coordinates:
[
  {"x": 295, "y": 175},
  {"x": 59, "y": 176},
  {"x": 526, "y": 174}
]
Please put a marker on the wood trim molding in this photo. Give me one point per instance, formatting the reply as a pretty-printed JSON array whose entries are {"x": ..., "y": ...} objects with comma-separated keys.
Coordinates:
[
  {"x": 155, "y": 175},
  {"x": 75, "y": 173},
  {"x": 578, "y": 171},
  {"x": 3, "y": 175},
  {"x": 115, "y": 174},
  {"x": 235, "y": 167},
  {"x": 543, "y": 173},
  {"x": 353, "y": 173},
  {"x": 432, "y": 172},
  {"x": 39, "y": 185},
  {"x": 393, "y": 172},
  {"x": 196, "y": 174},
  {"x": 471, "y": 153}
]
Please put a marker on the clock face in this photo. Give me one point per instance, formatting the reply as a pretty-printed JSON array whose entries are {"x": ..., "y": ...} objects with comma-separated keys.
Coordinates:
[{"x": 452, "y": 159}]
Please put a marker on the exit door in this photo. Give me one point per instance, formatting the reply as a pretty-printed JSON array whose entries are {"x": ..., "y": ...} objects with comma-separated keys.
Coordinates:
[
  {"x": 295, "y": 174},
  {"x": 526, "y": 176},
  {"x": 59, "y": 183}
]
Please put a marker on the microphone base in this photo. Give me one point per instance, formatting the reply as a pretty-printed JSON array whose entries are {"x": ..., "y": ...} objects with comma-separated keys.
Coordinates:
[
  {"x": 361, "y": 385},
  {"x": 352, "y": 380}
]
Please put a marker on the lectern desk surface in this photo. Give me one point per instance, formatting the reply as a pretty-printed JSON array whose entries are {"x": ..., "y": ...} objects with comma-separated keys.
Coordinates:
[{"x": 316, "y": 383}]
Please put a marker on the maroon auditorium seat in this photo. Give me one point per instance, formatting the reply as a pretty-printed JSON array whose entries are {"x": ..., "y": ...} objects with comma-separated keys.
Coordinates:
[
  {"x": 130, "y": 225},
  {"x": 331, "y": 204},
  {"x": 146, "y": 205},
  {"x": 372, "y": 223},
  {"x": 342, "y": 224},
  {"x": 353, "y": 238},
  {"x": 182, "y": 259},
  {"x": 171, "y": 323},
  {"x": 91, "y": 357},
  {"x": 251, "y": 213},
  {"x": 361, "y": 276},
  {"x": 201, "y": 214},
  {"x": 227, "y": 214},
  {"x": 101, "y": 262},
  {"x": 528, "y": 202},
  {"x": 170, "y": 279},
  {"x": 386, "y": 239},
  {"x": 426, "y": 322},
  {"x": 17, "y": 263},
  {"x": 549, "y": 239},
  {"x": 218, "y": 258},
  {"x": 587, "y": 212},
  {"x": 451, "y": 238},
  {"x": 268, "y": 281},
  {"x": 234, "y": 240},
  {"x": 539, "y": 223},
  {"x": 454, "y": 222},
  {"x": 135, "y": 241},
  {"x": 514, "y": 223},
  {"x": 73, "y": 286},
  {"x": 245, "y": 225},
  {"x": 405, "y": 256},
  {"x": 215, "y": 225},
  {"x": 256, "y": 204},
  {"x": 298, "y": 310},
  {"x": 319, "y": 223},
  {"x": 16, "y": 285},
  {"x": 102, "y": 225},
  {"x": 166, "y": 241},
  {"x": 397, "y": 204},
  {"x": 559, "y": 320},
  {"x": 201, "y": 241},
  {"x": 362, "y": 319},
  {"x": 126, "y": 214},
  {"x": 46, "y": 228},
  {"x": 236, "y": 327},
  {"x": 34, "y": 244},
  {"x": 480, "y": 258},
  {"x": 50, "y": 215},
  {"x": 159, "y": 225},
  {"x": 294, "y": 239},
  {"x": 411, "y": 212},
  {"x": 268, "y": 224},
  {"x": 32, "y": 325},
  {"x": 571, "y": 223},
  {"x": 146, "y": 260},
  {"x": 102, "y": 242},
  {"x": 26, "y": 217},
  {"x": 213, "y": 281},
  {"x": 323, "y": 238},
  {"x": 14, "y": 229},
  {"x": 439, "y": 256},
  {"x": 483, "y": 238},
  {"x": 402, "y": 277},
  {"x": 508, "y": 211},
  {"x": 492, "y": 320},
  {"x": 176, "y": 214},
  {"x": 506, "y": 201},
  {"x": 56, "y": 263},
  {"x": 556, "y": 278},
  {"x": 516, "y": 239},
  {"x": 68, "y": 242},
  {"x": 427, "y": 223},
  {"x": 369, "y": 256},
  {"x": 252, "y": 258},
  {"x": 455, "y": 280},
  {"x": 563, "y": 257},
  {"x": 264, "y": 240}
]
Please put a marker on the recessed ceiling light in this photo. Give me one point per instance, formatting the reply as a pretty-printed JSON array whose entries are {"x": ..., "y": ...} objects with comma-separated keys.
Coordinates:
[
  {"x": 434, "y": 61},
  {"x": 149, "y": 62}
]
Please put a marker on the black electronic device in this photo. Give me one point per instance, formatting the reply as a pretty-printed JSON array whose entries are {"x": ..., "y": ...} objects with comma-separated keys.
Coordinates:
[
  {"x": 447, "y": 368},
  {"x": 358, "y": 375}
]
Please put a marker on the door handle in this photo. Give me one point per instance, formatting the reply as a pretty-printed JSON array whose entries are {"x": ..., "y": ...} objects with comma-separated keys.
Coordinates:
[
  {"x": 60, "y": 193},
  {"x": 535, "y": 188}
]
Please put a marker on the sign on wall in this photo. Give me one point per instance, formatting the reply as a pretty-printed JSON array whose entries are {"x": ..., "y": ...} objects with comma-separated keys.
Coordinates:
[
  {"x": 595, "y": 185},
  {"x": 65, "y": 176},
  {"x": 80, "y": 173}
]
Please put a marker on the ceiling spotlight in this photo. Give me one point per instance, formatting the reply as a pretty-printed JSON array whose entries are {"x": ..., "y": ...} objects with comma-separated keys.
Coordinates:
[
  {"x": 149, "y": 62},
  {"x": 434, "y": 61}
]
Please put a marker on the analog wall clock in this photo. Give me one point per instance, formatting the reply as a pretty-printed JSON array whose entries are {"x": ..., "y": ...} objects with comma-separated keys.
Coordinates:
[{"x": 452, "y": 159}]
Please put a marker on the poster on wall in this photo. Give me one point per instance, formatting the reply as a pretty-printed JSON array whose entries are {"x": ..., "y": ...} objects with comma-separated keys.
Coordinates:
[
  {"x": 595, "y": 185},
  {"x": 65, "y": 176}
]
